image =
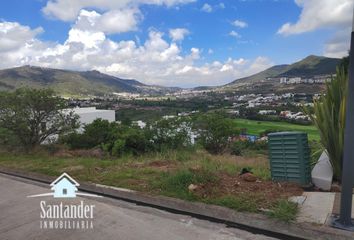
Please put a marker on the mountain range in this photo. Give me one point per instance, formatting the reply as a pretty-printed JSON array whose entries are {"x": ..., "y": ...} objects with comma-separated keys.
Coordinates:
[
  {"x": 94, "y": 83},
  {"x": 74, "y": 83},
  {"x": 267, "y": 81}
]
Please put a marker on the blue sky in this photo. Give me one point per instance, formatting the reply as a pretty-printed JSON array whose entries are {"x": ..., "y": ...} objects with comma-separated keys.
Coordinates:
[{"x": 172, "y": 42}]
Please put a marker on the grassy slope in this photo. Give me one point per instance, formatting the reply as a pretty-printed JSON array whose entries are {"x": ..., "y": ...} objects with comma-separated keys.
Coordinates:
[
  {"x": 257, "y": 127},
  {"x": 168, "y": 173}
]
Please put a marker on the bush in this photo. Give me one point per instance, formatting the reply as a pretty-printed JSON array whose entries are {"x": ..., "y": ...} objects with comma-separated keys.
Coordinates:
[
  {"x": 77, "y": 141},
  {"x": 8, "y": 139},
  {"x": 329, "y": 118},
  {"x": 260, "y": 145},
  {"x": 136, "y": 141},
  {"x": 110, "y": 138},
  {"x": 170, "y": 134},
  {"x": 238, "y": 147},
  {"x": 118, "y": 147},
  {"x": 216, "y": 130}
]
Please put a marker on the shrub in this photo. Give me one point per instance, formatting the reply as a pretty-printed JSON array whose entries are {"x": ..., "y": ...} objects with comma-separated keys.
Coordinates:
[
  {"x": 110, "y": 137},
  {"x": 8, "y": 139},
  {"x": 216, "y": 131},
  {"x": 99, "y": 131},
  {"x": 136, "y": 141},
  {"x": 329, "y": 118},
  {"x": 237, "y": 148},
  {"x": 170, "y": 134},
  {"x": 78, "y": 141},
  {"x": 118, "y": 147}
]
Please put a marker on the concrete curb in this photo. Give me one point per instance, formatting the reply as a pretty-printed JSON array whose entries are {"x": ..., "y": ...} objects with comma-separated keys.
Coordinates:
[{"x": 255, "y": 223}]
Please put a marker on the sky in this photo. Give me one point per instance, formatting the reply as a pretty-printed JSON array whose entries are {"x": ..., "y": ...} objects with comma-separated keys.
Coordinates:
[{"x": 183, "y": 43}]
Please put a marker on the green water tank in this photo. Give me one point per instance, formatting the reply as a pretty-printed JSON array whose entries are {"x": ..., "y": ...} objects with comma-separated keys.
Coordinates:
[{"x": 289, "y": 156}]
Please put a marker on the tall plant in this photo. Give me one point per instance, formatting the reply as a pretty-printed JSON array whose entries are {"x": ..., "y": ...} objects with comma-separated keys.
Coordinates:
[{"x": 329, "y": 118}]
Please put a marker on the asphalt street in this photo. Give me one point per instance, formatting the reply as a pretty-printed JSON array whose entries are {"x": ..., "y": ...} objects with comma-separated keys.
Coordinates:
[{"x": 20, "y": 218}]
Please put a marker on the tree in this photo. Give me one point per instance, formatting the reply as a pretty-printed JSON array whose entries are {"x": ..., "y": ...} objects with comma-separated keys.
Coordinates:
[
  {"x": 94, "y": 135},
  {"x": 172, "y": 133},
  {"x": 329, "y": 118},
  {"x": 34, "y": 115},
  {"x": 216, "y": 130}
]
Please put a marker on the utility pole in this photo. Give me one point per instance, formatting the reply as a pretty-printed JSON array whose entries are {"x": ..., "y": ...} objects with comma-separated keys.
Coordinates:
[{"x": 345, "y": 221}]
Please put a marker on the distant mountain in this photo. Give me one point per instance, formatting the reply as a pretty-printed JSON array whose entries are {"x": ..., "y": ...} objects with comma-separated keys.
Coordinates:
[
  {"x": 310, "y": 66},
  {"x": 94, "y": 83},
  {"x": 73, "y": 83},
  {"x": 270, "y": 72},
  {"x": 307, "y": 67}
]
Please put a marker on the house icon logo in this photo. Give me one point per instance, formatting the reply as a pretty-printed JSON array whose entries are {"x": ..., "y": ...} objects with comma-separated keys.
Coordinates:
[{"x": 64, "y": 187}]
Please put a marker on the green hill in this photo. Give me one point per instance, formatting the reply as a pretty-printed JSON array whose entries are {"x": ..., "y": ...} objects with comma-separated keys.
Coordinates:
[
  {"x": 310, "y": 66},
  {"x": 72, "y": 83},
  {"x": 266, "y": 81}
]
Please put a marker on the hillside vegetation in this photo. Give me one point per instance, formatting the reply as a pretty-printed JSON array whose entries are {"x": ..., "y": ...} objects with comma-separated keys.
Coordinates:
[
  {"x": 72, "y": 83},
  {"x": 266, "y": 82}
]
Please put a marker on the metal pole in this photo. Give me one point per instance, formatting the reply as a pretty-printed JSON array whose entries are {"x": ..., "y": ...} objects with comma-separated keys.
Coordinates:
[{"x": 344, "y": 221}]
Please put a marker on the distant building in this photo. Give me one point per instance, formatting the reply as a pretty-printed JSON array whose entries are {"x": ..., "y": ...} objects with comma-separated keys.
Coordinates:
[
  {"x": 283, "y": 80},
  {"x": 168, "y": 117},
  {"x": 86, "y": 116},
  {"x": 267, "y": 112},
  {"x": 89, "y": 114},
  {"x": 234, "y": 112},
  {"x": 294, "y": 80}
]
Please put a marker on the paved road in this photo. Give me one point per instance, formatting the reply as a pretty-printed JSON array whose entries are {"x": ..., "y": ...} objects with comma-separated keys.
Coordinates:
[{"x": 113, "y": 219}]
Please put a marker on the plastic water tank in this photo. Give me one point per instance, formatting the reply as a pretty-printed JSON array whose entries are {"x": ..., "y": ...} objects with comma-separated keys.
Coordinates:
[{"x": 289, "y": 156}]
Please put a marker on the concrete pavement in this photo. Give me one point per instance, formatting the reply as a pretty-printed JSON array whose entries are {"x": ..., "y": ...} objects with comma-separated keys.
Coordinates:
[
  {"x": 113, "y": 219},
  {"x": 318, "y": 207}
]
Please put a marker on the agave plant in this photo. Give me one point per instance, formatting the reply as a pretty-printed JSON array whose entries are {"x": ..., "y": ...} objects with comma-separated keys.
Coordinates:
[{"x": 329, "y": 118}]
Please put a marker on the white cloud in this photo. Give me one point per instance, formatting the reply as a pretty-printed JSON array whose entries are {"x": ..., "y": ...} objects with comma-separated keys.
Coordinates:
[
  {"x": 234, "y": 34},
  {"x": 14, "y": 35},
  {"x": 318, "y": 14},
  {"x": 156, "y": 61},
  {"x": 207, "y": 8},
  {"x": 195, "y": 53},
  {"x": 178, "y": 34},
  {"x": 338, "y": 45},
  {"x": 221, "y": 5},
  {"x": 115, "y": 21},
  {"x": 240, "y": 24},
  {"x": 68, "y": 10}
]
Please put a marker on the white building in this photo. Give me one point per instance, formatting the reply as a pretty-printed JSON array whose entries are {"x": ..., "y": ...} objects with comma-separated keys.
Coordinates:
[
  {"x": 267, "y": 112},
  {"x": 283, "y": 80},
  {"x": 86, "y": 116},
  {"x": 89, "y": 114},
  {"x": 294, "y": 80}
]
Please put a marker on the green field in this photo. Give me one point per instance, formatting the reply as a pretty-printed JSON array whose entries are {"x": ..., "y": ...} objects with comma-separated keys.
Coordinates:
[{"x": 257, "y": 127}]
